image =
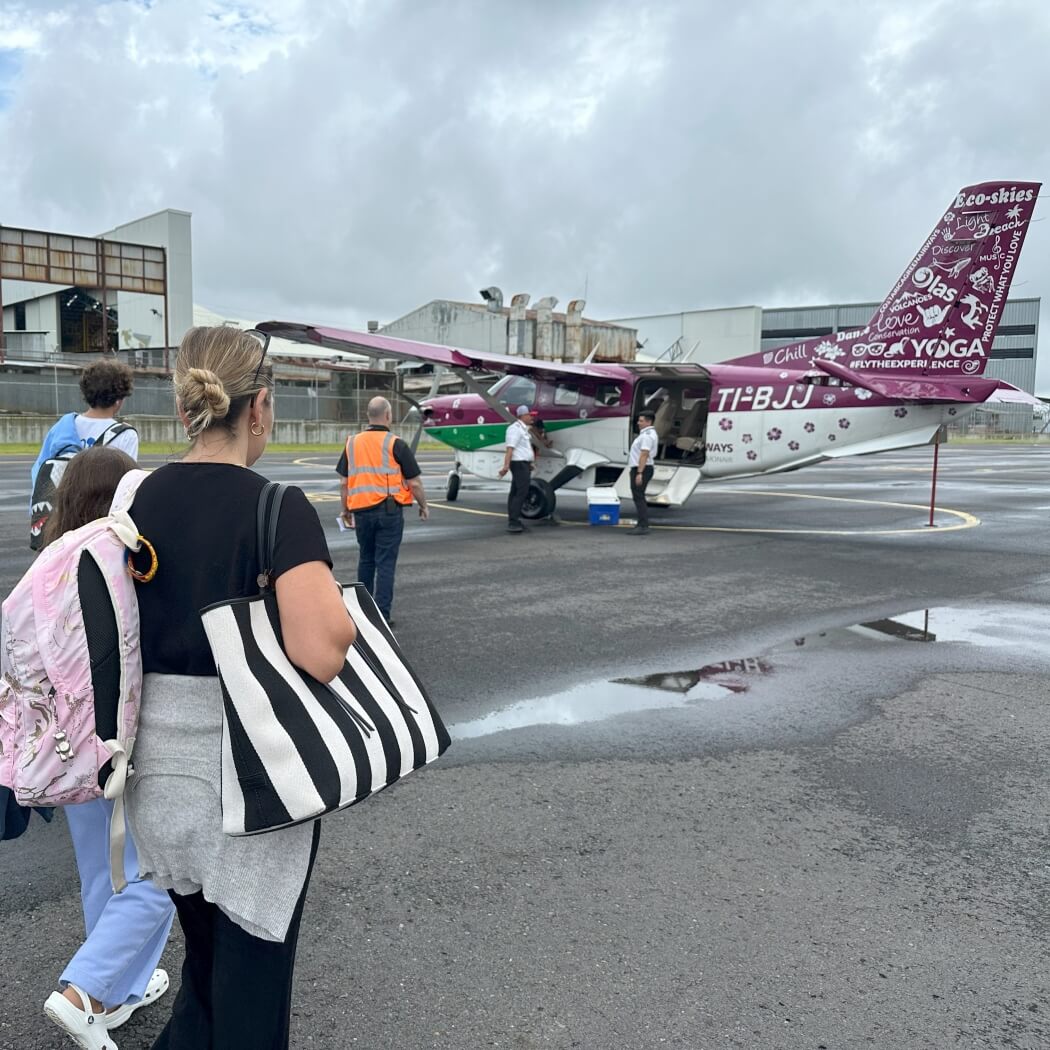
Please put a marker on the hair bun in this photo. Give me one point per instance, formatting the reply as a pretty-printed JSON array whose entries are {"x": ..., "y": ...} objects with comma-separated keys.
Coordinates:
[{"x": 206, "y": 388}]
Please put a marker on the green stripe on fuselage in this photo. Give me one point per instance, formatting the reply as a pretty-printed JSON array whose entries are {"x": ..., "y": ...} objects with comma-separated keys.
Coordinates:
[{"x": 471, "y": 437}]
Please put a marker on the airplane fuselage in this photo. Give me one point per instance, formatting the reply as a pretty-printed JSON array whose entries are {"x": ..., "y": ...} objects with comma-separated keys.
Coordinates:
[{"x": 742, "y": 421}]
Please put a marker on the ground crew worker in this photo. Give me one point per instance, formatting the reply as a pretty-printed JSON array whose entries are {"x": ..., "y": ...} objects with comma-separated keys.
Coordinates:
[
  {"x": 518, "y": 459},
  {"x": 382, "y": 477},
  {"x": 640, "y": 466}
]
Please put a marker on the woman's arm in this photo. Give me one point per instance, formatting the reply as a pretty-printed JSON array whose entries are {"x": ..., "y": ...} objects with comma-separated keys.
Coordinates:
[{"x": 317, "y": 628}]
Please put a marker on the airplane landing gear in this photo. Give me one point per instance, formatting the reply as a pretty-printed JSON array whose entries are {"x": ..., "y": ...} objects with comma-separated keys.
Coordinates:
[
  {"x": 452, "y": 486},
  {"x": 540, "y": 501}
]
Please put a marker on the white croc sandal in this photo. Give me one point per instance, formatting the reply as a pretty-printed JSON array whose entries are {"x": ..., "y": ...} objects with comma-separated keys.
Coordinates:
[
  {"x": 88, "y": 1030},
  {"x": 158, "y": 985}
]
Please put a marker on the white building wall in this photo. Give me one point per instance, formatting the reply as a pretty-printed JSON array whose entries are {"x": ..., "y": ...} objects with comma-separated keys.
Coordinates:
[
  {"x": 453, "y": 324},
  {"x": 41, "y": 314},
  {"x": 141, "y": 318},
  {"x": 707, "y": 336}
]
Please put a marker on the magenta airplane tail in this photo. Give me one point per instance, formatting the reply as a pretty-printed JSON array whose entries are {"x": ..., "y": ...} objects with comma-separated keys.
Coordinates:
[{"x": 942, "y": 315}]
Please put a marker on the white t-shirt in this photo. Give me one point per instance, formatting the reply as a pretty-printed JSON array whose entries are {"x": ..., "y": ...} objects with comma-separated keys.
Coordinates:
[
  {"x": 648, "y": 439},
  {"x": 519, "y": 440},
  {"x": 89, "y": 430}
]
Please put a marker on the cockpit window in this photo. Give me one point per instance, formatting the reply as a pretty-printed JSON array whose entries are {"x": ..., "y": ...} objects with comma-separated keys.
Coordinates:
[
  {"x": 515, "y": 390},
  {"x": 607, "y": 394}
]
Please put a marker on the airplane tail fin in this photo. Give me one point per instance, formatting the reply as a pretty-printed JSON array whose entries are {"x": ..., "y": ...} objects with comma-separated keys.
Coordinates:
[{"x": 941, "y": 316}]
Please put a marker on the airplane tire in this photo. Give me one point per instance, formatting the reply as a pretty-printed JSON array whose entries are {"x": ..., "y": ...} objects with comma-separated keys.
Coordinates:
[
  {"x": 452, "y": 487},
  {"x": 540, "y": 501}
]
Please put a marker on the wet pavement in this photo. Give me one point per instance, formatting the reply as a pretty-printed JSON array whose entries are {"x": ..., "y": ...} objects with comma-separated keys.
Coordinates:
[
  {"x": 855, "y": 651},
  {"x": 708, "y": 789}
]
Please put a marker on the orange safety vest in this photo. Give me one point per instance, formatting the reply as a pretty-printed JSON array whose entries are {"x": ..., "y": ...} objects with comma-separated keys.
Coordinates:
[{"x": 372, "y": 473}]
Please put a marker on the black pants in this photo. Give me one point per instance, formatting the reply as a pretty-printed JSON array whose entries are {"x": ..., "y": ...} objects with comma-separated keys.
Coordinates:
[
  {"x": 236, "y": 989},
  {"x": 520, "y": 472},
  {"x": 638, "y": 494}
]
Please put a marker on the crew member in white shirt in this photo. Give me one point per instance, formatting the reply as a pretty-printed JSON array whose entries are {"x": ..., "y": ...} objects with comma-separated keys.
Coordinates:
[
  {"x": 518, "y": 459},
  {"x": 640, "y": 465}
]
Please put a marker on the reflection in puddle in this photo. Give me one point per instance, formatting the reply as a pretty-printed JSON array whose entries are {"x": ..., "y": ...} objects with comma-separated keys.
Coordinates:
[
  {"x": 998, "y": 626},
  {"x": 709, "y": 681}
]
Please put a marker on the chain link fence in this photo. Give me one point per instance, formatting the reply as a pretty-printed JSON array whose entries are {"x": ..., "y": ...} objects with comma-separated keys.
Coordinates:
[
  {"x": 342, "y": 401},
  {"x": 1003, "y": 423}
]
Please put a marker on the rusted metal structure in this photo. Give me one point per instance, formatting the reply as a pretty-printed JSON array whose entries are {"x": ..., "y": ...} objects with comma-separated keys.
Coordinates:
[{"x": 66, "y": 260}]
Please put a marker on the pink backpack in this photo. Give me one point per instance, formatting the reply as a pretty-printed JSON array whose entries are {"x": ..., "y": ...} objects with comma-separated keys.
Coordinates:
[{"x": 72, "y": 671}]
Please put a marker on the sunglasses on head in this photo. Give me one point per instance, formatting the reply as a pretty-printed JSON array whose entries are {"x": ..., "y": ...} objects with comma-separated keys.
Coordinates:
[{"x": 264, "y": 339}]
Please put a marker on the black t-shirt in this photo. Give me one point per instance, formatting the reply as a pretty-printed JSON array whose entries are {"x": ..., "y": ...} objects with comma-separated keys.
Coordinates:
[
  {"x": 201, "y": 520},
  {"x": 403, "y": 456}
]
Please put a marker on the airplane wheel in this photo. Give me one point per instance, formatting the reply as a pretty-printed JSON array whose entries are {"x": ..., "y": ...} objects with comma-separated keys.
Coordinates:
[
  {"x": 540, "y": 501},
  {"x": 452, "y": 487}
]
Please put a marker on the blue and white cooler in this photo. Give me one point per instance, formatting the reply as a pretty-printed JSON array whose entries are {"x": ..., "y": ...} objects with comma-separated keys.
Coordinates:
[{"x": 603, "y": 505}]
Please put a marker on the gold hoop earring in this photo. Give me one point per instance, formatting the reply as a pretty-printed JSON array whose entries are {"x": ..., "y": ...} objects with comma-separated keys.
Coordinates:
[{"x": 260, "y": 431}]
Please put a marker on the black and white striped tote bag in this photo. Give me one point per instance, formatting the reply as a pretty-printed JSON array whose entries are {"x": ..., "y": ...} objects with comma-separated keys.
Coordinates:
[{"x": 295, "y": 748}]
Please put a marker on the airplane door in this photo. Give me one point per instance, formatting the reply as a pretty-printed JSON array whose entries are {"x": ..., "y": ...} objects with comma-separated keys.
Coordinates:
[{"x": 679, "y": 396}]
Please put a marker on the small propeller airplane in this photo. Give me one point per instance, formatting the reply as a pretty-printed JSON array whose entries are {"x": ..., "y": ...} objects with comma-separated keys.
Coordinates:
[{"x": 915, "y": 366}]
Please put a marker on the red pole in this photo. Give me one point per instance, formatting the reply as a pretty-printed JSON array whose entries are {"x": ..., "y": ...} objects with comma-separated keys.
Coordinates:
[{"x": 933, "y": 487}]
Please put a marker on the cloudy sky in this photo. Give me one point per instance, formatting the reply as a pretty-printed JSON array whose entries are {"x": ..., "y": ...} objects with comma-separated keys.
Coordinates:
[{"x": 352, "y": 159}]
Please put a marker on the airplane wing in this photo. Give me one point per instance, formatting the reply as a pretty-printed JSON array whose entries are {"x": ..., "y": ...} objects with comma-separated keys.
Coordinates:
[
  {"x": 377, "y": 345},
  {"x": 945, "y": 388}
]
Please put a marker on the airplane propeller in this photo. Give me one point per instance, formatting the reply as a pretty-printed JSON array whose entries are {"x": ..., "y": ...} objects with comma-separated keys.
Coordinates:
[{"x": 416, "y": 410}]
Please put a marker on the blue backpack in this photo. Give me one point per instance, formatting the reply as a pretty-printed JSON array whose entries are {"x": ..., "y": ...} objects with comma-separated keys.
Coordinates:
[{"x": 60, "y": 446}]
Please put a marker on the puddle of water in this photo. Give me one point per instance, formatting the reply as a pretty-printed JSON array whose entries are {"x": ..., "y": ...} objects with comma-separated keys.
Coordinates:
[
  {"x": 990, "y": 626},
  {"x": 583, "y": 703}
]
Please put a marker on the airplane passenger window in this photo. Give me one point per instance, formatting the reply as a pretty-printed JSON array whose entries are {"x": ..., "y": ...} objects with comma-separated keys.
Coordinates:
[
  {"x": 607, "y": 394},
  {"x": 566, "y": 394}
]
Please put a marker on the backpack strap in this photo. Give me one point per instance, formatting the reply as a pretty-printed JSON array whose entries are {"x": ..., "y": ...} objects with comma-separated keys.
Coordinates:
[
  {"x": 112, "y": 432},
  {"x": 114, "y": 791},
  {"x": 126, "y": 489}
]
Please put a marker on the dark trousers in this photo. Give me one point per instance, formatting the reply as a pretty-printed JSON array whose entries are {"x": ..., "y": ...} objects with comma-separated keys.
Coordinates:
[
  {"x": 638, "y": 494},
  {"x": 379, "y": 531},
  {"x": 520, "y": 472},
  {"x": 236, "y": 989}
]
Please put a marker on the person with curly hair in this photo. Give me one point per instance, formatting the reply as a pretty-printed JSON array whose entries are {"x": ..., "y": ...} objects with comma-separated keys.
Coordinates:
[{"x": 105, "y": 385}]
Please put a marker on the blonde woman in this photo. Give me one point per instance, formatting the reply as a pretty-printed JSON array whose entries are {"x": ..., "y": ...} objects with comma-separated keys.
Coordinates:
[{"x": 239, "y": 900}]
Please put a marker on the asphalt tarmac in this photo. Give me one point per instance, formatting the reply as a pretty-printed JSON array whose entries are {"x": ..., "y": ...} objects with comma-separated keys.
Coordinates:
[{"x": 690, "y": 803}]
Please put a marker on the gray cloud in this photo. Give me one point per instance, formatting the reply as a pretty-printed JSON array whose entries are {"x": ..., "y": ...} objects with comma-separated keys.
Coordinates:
[{"x": 348, "y": 161}]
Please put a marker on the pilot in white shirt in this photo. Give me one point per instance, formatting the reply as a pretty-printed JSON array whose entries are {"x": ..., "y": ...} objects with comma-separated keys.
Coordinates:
[
  {"x": 518, "y": 459},
  {"x": 640, "y": 466}
]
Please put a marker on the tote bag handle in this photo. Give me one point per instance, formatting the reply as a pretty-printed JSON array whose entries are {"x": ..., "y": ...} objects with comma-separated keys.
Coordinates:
[{"x": 267, "y": 516}]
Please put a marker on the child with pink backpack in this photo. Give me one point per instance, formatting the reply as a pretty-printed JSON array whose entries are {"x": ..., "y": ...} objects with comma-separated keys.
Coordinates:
[{"x": 69, "y": 691}]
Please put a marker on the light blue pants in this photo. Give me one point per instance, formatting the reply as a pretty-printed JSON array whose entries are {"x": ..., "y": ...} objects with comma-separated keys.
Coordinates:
[{"x": 126, "y": 932}]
